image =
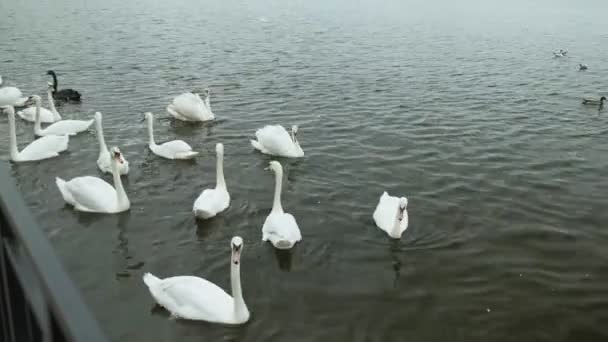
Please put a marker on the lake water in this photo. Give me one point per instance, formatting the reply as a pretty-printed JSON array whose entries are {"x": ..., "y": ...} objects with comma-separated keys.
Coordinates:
[{"x": 458, "y": 105}]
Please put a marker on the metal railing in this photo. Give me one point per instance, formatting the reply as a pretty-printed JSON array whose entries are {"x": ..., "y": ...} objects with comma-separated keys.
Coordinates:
[{"x": 38, "y": 302}]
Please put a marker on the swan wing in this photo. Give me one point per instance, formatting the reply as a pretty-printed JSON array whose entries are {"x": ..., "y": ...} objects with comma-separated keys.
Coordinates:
[
  {"x": 281, "y": 226},
  {"x": 45, "y": 147},
  {"x": 68, "y": 127},
  {"x": 194, "y": 298},
  {"x": 29, "y": 114},
  {"x": 192, "y": 107},
  {"x": 92, "y": 193},
  {"x": 10, "y": 96},
  {"x": 275, "y": 139},
  {"x": 176, "y": 146},
  {"x": 386, "y": 211},
  {"x": 211, "y": 202}
]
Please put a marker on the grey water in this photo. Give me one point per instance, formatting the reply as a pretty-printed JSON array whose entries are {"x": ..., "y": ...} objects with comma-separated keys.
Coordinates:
[{"x": 458, "y": 105}]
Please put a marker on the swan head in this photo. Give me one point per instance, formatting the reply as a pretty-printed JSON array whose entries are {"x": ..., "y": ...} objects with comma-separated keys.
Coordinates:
[
  {"x": 116, "y": 155},
  {"x": 219, "y": 149},
  {"x": 34, "y": 99},
  {"x": 49, "y": 85},
  {"x": 50, "y": 72},
  {"x": 236, "y": 245},
  {"x": 275, "y": 166},
  {"x": 148, "y": 116},
  {"x": 402, "y": 203},
  {"x": 603, "y": 98}
]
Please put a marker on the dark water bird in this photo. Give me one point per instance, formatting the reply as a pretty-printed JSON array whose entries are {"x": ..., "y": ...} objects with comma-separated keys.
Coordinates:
[
  {"x": 582, "y": 67},
  {"x": 594, "y": 101},
  {"x": 64, "y": 95}
]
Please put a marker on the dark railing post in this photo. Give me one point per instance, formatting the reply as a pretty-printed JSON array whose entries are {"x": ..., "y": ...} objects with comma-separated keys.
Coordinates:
[{"x": 38, "y": 302}]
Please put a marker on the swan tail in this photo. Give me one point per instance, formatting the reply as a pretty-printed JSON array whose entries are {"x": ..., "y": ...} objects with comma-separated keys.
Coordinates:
[
  {"x": 203, "y": 213},
  {"x": 283, "y": 244},
  {"x": 186, "y": 155},
  {"x": 151, "y": 280},
  {"x": 65, "y": 193}
]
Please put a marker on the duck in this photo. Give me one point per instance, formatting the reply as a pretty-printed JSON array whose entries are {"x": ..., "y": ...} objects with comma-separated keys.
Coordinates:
[
  {"x": 175, "y": 149},
  {"x": 582, "y": 67},
  {"x": 391, "y": 215},
  {"x": 274, "y": 140},
  {"x": 46, "y": 116},
  {"x": 62, "y": 127},
  {"x": 104, "y": 161},
  {"x": 594, "y": 101},
  {"x": 213, "y": 201},
  {"x": 195, "y": 298},
  {"x": 43, "y": 148},
  {"x": 63, "y": 95},
  {"x": 190, "y": 107},
  {"x": 93, "y": 194},
  {"x": 280, "y": 228}
]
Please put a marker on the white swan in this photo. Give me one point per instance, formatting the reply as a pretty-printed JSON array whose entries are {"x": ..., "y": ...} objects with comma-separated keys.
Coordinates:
[
  {"x": 62, "y": 127},
  {"x": 92, "y": 194},
  {"x": 274, "y": 140},
  {"x": 104, "y": 161},
  {"x": 175, "y": 149},
  {"x": 11, "y": 96},
  {"x": 46, "y": 116},
  {"x": 391, "y": 215},
  {"x": 280, "y": 228},
  {"x": 213, "y": 201},
  {"x": 42, "y": 148},
  {"x": 195, "y": 298},
  {"x": 189, "y": 107}
]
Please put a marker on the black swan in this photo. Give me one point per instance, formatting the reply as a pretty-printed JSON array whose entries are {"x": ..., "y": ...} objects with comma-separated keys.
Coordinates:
[{"x": 63, "y": 94}]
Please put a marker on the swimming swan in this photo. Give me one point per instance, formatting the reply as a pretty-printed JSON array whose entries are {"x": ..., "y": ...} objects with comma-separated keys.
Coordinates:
[
  {"x": 43, "y": 148},
  {"x": 280, "y": 228},
  {"x": 104, "y": 161},
  {"x": 63, "y": 94},
  {"x": 92, "y": 194},
  {"x": 175, "y": 149},
  {"x": 190, "y": 107},
  {"x": 213, "y": 201},
  {"x": 391, "y": 215},
  {"x": 274, "y": 140},
  {"x": 62, "y": 127},
  {"x": 46, "y": 116},
  {"x": 11, "y": 96},
  {"x": 594, "y": 101},
  {"x": 195, "y": 298}
]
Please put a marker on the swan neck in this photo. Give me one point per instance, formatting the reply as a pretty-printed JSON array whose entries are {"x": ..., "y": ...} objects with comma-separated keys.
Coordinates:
[
  {"x": 54, "y": 82},
  {"x": 100, "y": 138},
  {"x": 240, "y": 308},
  {"x": 276, "y": 206},
  {"x": 151, "y": 132},
  {"x": 14, "y": 152},
  {"x": 122, "y": 201},
  {"x": 208, "y": 102},
  {"x": 37, "y": 127},
  {"x": 220, "y": 181},
  {"x": 56, "y": 115}
]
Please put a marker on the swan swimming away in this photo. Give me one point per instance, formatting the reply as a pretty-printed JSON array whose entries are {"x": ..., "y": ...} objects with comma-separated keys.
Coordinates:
[
  {"x": 280, "y": 228},
  {"x": 104, "y": 161},
  {"x": 195, "y": 298},
  {"x": 46, "y": 116},
  {"x": 175, "y": 149},
  {"x": 43, "y": 148},
  {"x": 92, "y": 194},
  {"x": 62, "y": 127},
  {"x": 213, "y": 201},
  {"x": 63, "y": 95},
  {"x": 274, "y": 140},
  {"x": 11, "y": 96},
  {"x": 594, "y": 101},
  {"x": 190, "y": 107},
  {"x": 391, "y": 215}
]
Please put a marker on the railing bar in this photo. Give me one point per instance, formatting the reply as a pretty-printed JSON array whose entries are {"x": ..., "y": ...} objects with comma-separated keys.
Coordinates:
[
  {"x": 64, "y": 299},
  {"x": 6, "y": 299}
]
